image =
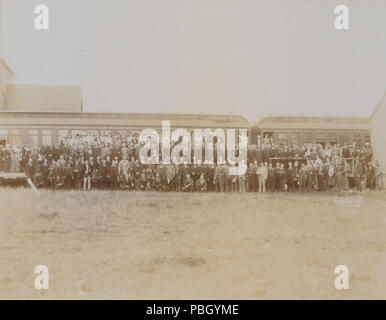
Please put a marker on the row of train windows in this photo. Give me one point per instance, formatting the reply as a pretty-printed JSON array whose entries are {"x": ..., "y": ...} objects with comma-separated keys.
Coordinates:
[
  {"x": 322, "y": 136},
  {"x": 18, "y": 140},
  {"x": 33, "y": 137},
  {"x": 60, "y": 133},
  {"x": 18, "y": 137}
]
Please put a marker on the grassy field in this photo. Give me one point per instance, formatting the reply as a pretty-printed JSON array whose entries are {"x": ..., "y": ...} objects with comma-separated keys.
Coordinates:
[{"x": 130, "y": 245}]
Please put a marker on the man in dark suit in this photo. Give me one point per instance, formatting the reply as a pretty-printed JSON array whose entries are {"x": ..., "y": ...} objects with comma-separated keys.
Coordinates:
[
  {"x": 358, "y": 172},
  {"x": 112, "y": 174},
  {"x": 86, "y": 174},
  {"x": 58, "y": 175},
  {"x": 44, "y": 168},
  {"x": 345, "y": 151},
  {"x": 188, "y": 184},
  {"x": 29, "y": 169},
  {"x": 102, "y": 173},
  {"x": 291, "y": 175},
  {"x": 68, "y": 173}
]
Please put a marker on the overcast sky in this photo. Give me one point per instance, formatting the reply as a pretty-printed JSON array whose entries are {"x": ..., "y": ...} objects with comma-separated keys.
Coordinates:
[{"x": 244, "y": 57}]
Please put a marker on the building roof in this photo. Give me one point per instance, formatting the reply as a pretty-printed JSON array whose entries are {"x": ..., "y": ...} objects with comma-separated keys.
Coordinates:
[
  {"x": 43, "y": 98},
  {"x": 147, "y": 120},
  {"x": 313, "y": 123}
]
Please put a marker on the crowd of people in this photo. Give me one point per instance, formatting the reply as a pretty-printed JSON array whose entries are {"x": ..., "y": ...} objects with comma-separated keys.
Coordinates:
[{"x": 90, "y": 161}]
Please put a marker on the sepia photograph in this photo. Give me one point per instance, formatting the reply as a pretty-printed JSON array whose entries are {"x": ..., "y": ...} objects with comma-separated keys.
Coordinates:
[{"x": 192, "y": 150}]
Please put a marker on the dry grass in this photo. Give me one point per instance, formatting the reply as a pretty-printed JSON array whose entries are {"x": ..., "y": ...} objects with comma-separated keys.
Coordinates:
[{"x": 187, "y": 246}]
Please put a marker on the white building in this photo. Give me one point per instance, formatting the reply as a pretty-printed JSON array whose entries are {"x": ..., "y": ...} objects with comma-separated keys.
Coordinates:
[{"x": 6, "y": 74}]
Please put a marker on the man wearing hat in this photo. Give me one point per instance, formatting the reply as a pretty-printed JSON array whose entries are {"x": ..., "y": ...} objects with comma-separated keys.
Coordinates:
[
  {"x": 340, "y": 176},
  {"x": 201, "y": 184},
  {"x": 347, "y": 171},
  {"x": 68, "y": 173},
  {"x": 291, "y": 176},
  {"x": 112, "y": 174},
  {"x": 123, "y": 171},
  {"x": 370, "y": 176},
  {"x": 262, "y": 173},
  {"x": 358, "y": 172},
  {"x": 6, "y": 158},
  {"x": 188, "y": 184},
  {"x": 303, "y": 178},
  {"x": 44, "y": 170},
  {"x": 29, "y": 169}
]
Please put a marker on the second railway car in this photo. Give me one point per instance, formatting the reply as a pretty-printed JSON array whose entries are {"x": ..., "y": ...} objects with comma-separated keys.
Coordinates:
[{"x": 300, "y": 130}]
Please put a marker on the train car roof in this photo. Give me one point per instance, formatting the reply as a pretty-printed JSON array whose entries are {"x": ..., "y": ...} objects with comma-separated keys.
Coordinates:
[
  {"x": 149, "y": 120},
  {"x": 312, "y": 123}
]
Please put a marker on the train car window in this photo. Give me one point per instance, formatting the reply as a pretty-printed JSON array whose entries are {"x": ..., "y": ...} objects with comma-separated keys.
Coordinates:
[
  {"x": 62, "y": 135},
  {"x": 46, "y": 140},
  {"x": 309, "y": 136},
  {"x": 17, "y": 140},
  {"x": 3, "y": 137},
  {"x": 92, "y": 132},
  {"x": 106, "y": 132},
  {"x": 75, "y": 132},
  {"x": 282, "y": 136},
  {"x": 294, "y": 138},
  {"x": 33, "y": 140}
]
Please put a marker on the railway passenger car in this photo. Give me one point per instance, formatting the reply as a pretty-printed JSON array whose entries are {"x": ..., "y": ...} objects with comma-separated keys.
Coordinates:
[
  {"x": 42, "y": 128},
  {"x": 300, "y": 130}
]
